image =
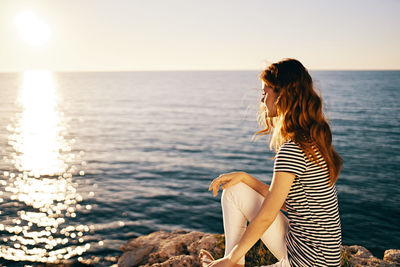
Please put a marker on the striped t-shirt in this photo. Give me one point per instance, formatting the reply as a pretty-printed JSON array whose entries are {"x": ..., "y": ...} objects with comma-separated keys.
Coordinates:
[{"x": 314, "y": 236}]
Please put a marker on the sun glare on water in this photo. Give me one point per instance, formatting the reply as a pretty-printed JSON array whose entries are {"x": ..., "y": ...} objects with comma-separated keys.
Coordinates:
[
  {"x": 32, "y": 29},
  {"x": 42, "y": 204}
]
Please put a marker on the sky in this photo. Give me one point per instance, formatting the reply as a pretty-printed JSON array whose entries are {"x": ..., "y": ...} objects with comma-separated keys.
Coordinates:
[{"x": 130, "y": 35}]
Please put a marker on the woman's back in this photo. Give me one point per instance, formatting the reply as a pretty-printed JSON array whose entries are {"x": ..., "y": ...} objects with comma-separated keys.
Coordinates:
[{"x": 314, "y": 235}]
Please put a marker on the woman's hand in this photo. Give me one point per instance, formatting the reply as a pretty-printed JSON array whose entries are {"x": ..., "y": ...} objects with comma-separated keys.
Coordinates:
[
  {"x": 228, "y": 178},
  {"x": 223, "y": 262}
]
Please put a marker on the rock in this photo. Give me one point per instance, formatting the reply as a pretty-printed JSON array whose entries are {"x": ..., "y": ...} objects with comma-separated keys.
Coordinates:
[
  {"x": 360, "y": 256},
  {"x": 134, "y": 257},
  {"x": 161, "y": 248},
  {"x": 68, "y": 263},
  {"x": 392, "y": 255},
  {"x": 181, "y": 248},
  {"x": 178, "y": 261}
]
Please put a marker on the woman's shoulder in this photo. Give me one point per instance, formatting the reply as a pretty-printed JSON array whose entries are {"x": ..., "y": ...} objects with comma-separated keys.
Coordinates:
[
  {"x": 292, "y": 149},
  {"x": 290, "y": 145},
  {"x": 290, "y": 158}
]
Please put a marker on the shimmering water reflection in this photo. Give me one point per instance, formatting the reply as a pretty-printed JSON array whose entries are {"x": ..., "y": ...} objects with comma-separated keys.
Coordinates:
[{"x": 42, "y": 182}]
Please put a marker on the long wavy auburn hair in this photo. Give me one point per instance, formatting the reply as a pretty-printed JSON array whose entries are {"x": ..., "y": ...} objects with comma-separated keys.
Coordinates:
[{"x": 299, "y": 115}]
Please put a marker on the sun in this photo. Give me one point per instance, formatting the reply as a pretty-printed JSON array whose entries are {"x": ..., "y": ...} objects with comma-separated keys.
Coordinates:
[{"x": 32, "y": 29}]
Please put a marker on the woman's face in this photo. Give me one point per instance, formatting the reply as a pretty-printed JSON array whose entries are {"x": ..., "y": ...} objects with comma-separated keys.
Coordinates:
[{"x": 268, "y": 98}]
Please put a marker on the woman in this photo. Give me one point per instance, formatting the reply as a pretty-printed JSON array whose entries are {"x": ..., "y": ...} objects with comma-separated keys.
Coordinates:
[{"x": 306, "y": 169}]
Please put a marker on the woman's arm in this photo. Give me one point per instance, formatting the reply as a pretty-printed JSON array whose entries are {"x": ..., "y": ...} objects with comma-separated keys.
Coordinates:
[
  {"x": 258, "y": 186},
  {"x": 235, "y": 177}
]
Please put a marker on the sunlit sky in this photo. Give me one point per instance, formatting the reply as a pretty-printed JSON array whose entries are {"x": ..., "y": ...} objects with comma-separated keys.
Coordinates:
[{"x": 123, "y": 35}]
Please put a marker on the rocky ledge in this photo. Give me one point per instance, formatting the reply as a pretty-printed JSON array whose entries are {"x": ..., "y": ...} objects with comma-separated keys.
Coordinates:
[{"x": 180, "y": 248}]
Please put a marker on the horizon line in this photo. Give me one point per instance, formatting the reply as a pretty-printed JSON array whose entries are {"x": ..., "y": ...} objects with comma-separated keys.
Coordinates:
[{"x": 181, "y": 70}]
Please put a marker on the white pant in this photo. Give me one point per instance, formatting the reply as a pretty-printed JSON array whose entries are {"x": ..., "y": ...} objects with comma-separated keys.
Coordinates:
[{"x": 241, "y": 203}]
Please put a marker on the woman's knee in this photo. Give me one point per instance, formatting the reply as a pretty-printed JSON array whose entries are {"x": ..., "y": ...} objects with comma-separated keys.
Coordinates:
[{"x": 234, "y": 189}]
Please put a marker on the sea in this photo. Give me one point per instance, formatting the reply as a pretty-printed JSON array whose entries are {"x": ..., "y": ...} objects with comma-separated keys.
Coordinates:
[{"x": 93, "y": 159}]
